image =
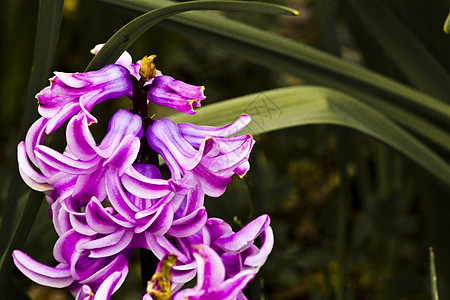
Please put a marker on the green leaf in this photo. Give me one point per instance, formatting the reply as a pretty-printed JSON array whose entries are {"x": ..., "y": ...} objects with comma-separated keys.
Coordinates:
[
  {"x": 303, "y": 105},
  {"x": 402, "y": 47},
  {"x": 129, "y": 33},
  {"x": 47, "y": 34},
  {"x": 404, "y": 104},
  {"x": 433, "y": 276},
  {"x": 447, "y": 24}
]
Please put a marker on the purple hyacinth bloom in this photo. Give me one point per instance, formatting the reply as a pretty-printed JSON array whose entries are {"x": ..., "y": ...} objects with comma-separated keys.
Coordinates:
[
  {"x": 176, "y": 94},
  {"x": 76, "y": 269},
  {"x": 107, "y": 199},
  {"x": 83, "y": 168},
  {"x": 69, "y": 93},
  {"x": 201, "y": 155},
  {"x": 211, "y": 282},
  {"x": 236, "y": 249},
  {"x": 164, "y": 90}
]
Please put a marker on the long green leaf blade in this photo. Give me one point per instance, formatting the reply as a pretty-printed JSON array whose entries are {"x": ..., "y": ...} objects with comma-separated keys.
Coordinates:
[
  {"x": 129, "y": 33},
  {"x": 47, "y": 35},
  {"x": 295, "y": 106},
  {"x": 447, "y": 24},
  {"x": 406, "y": 52},
  {"x": 286, "y": 55}
]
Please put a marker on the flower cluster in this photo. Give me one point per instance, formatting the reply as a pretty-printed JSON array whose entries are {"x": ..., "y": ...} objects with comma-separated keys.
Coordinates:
[{"x": 109, "y": 198}]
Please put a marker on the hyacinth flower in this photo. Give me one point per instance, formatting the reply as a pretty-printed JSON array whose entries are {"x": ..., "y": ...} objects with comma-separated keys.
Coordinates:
[
  {"x": 71, "y": 93},
  {"x": 211, "y": 282},
  {"x": 76, "y": 270},
  {"x": 108, "y": 199},
  {"x": 211, "y": 278},
  {"x": 162, "y": 89},
  {"x": 236, "y": 249},
  {"x": 201, "y": 155}
]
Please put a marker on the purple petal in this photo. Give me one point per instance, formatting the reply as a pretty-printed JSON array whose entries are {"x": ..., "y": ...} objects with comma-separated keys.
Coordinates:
[
  {"x": 165, "y": 138},
  {"x": 245, "y": 237},
  {"x": 32, "y": 178},
  {"x": 42, "y": 274},
  {"x": 80, "y": 225},
  {"x": 118, "y": 197},
  {"x": 211, "y": 271},
  {"x": 161, "y": 246},
  {"x": 84, "y": 293},
  {"x": 60, "y": 218},
  {"x": 82, "y": 91},
  {"x": 64, "y": 163},
  {"x": 159, "y": 223},
  {"x": 79, "y": 138},
  {"x": 195, "y": 134},
  {"x": 35, "y": 136},
  {"x": 118, "y": 264},
  {"x": 65, "y": 247},
  {"x": 92, "y": 184},
  {"x": 218, "y": 228},
  {"x": 176, "y": 94},
  {"x": 258, "y": 258},
  {"x": 230, "y": 288},
  {"x": 143, "y": 186},
  {"x": 110, "y": 250},
  {"x": 101, "y": 221},
  {"x": 124, "y": 60},
  {"x": 62, "y": 116},
  {"x": 117, "y": 240},
  {"x": 189, "y": 224},
  {"x": 122, "y": 123},
  {"x": 108, "y": 286},
  {"x": 125, "y": 154}
]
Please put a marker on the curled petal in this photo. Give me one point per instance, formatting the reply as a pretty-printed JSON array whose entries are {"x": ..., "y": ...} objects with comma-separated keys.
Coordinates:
[
  {"x": 79, "y": 224},
  {"x": 245, "y": 237},
  {"x": 122, "y": 123},
  {"x": 108, "y": 286},
  {"x": 118, "y": 197},
  {"x": 92, "y": 184},
  {"x": 158, "y": 222},
  {"x": 145, "y": 187},
  {"x": 32, "y": 178},
  {"x": 258, "y": 258},
  {"x": 195, "y": 134},
  {"x": 108, "y": 245},
  {"x": 165, "y": 138},
  {"x": 211, "y": 283},
  {"x": 62, "y": 116},
  {"x": 64, "y": 163},
  {"x": 110, "y": 250},
  {"x": 124, "y": 60},
  {"x": 101, "y": 221},
  {"x": 211, "y": 271},
  {"x": 102, "y": 272},
  {"x": 85, "y": 293},
  {"x": 65, "y": 249},
  {"x": 176, "y": 94},
  {"x": 160, "y": 246},
  {"x": 79, "y": 138},
  {"x": 81, "y": 91},
  {"x": 125, "y": 154},
  {"x": 58, "y": 277},
  {"x": 35, "y": 136},
  {"x": 190, "y": 224}
]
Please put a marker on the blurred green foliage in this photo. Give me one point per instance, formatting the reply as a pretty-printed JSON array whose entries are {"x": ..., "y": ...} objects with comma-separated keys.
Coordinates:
[{"x": 352, "y": 218}]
